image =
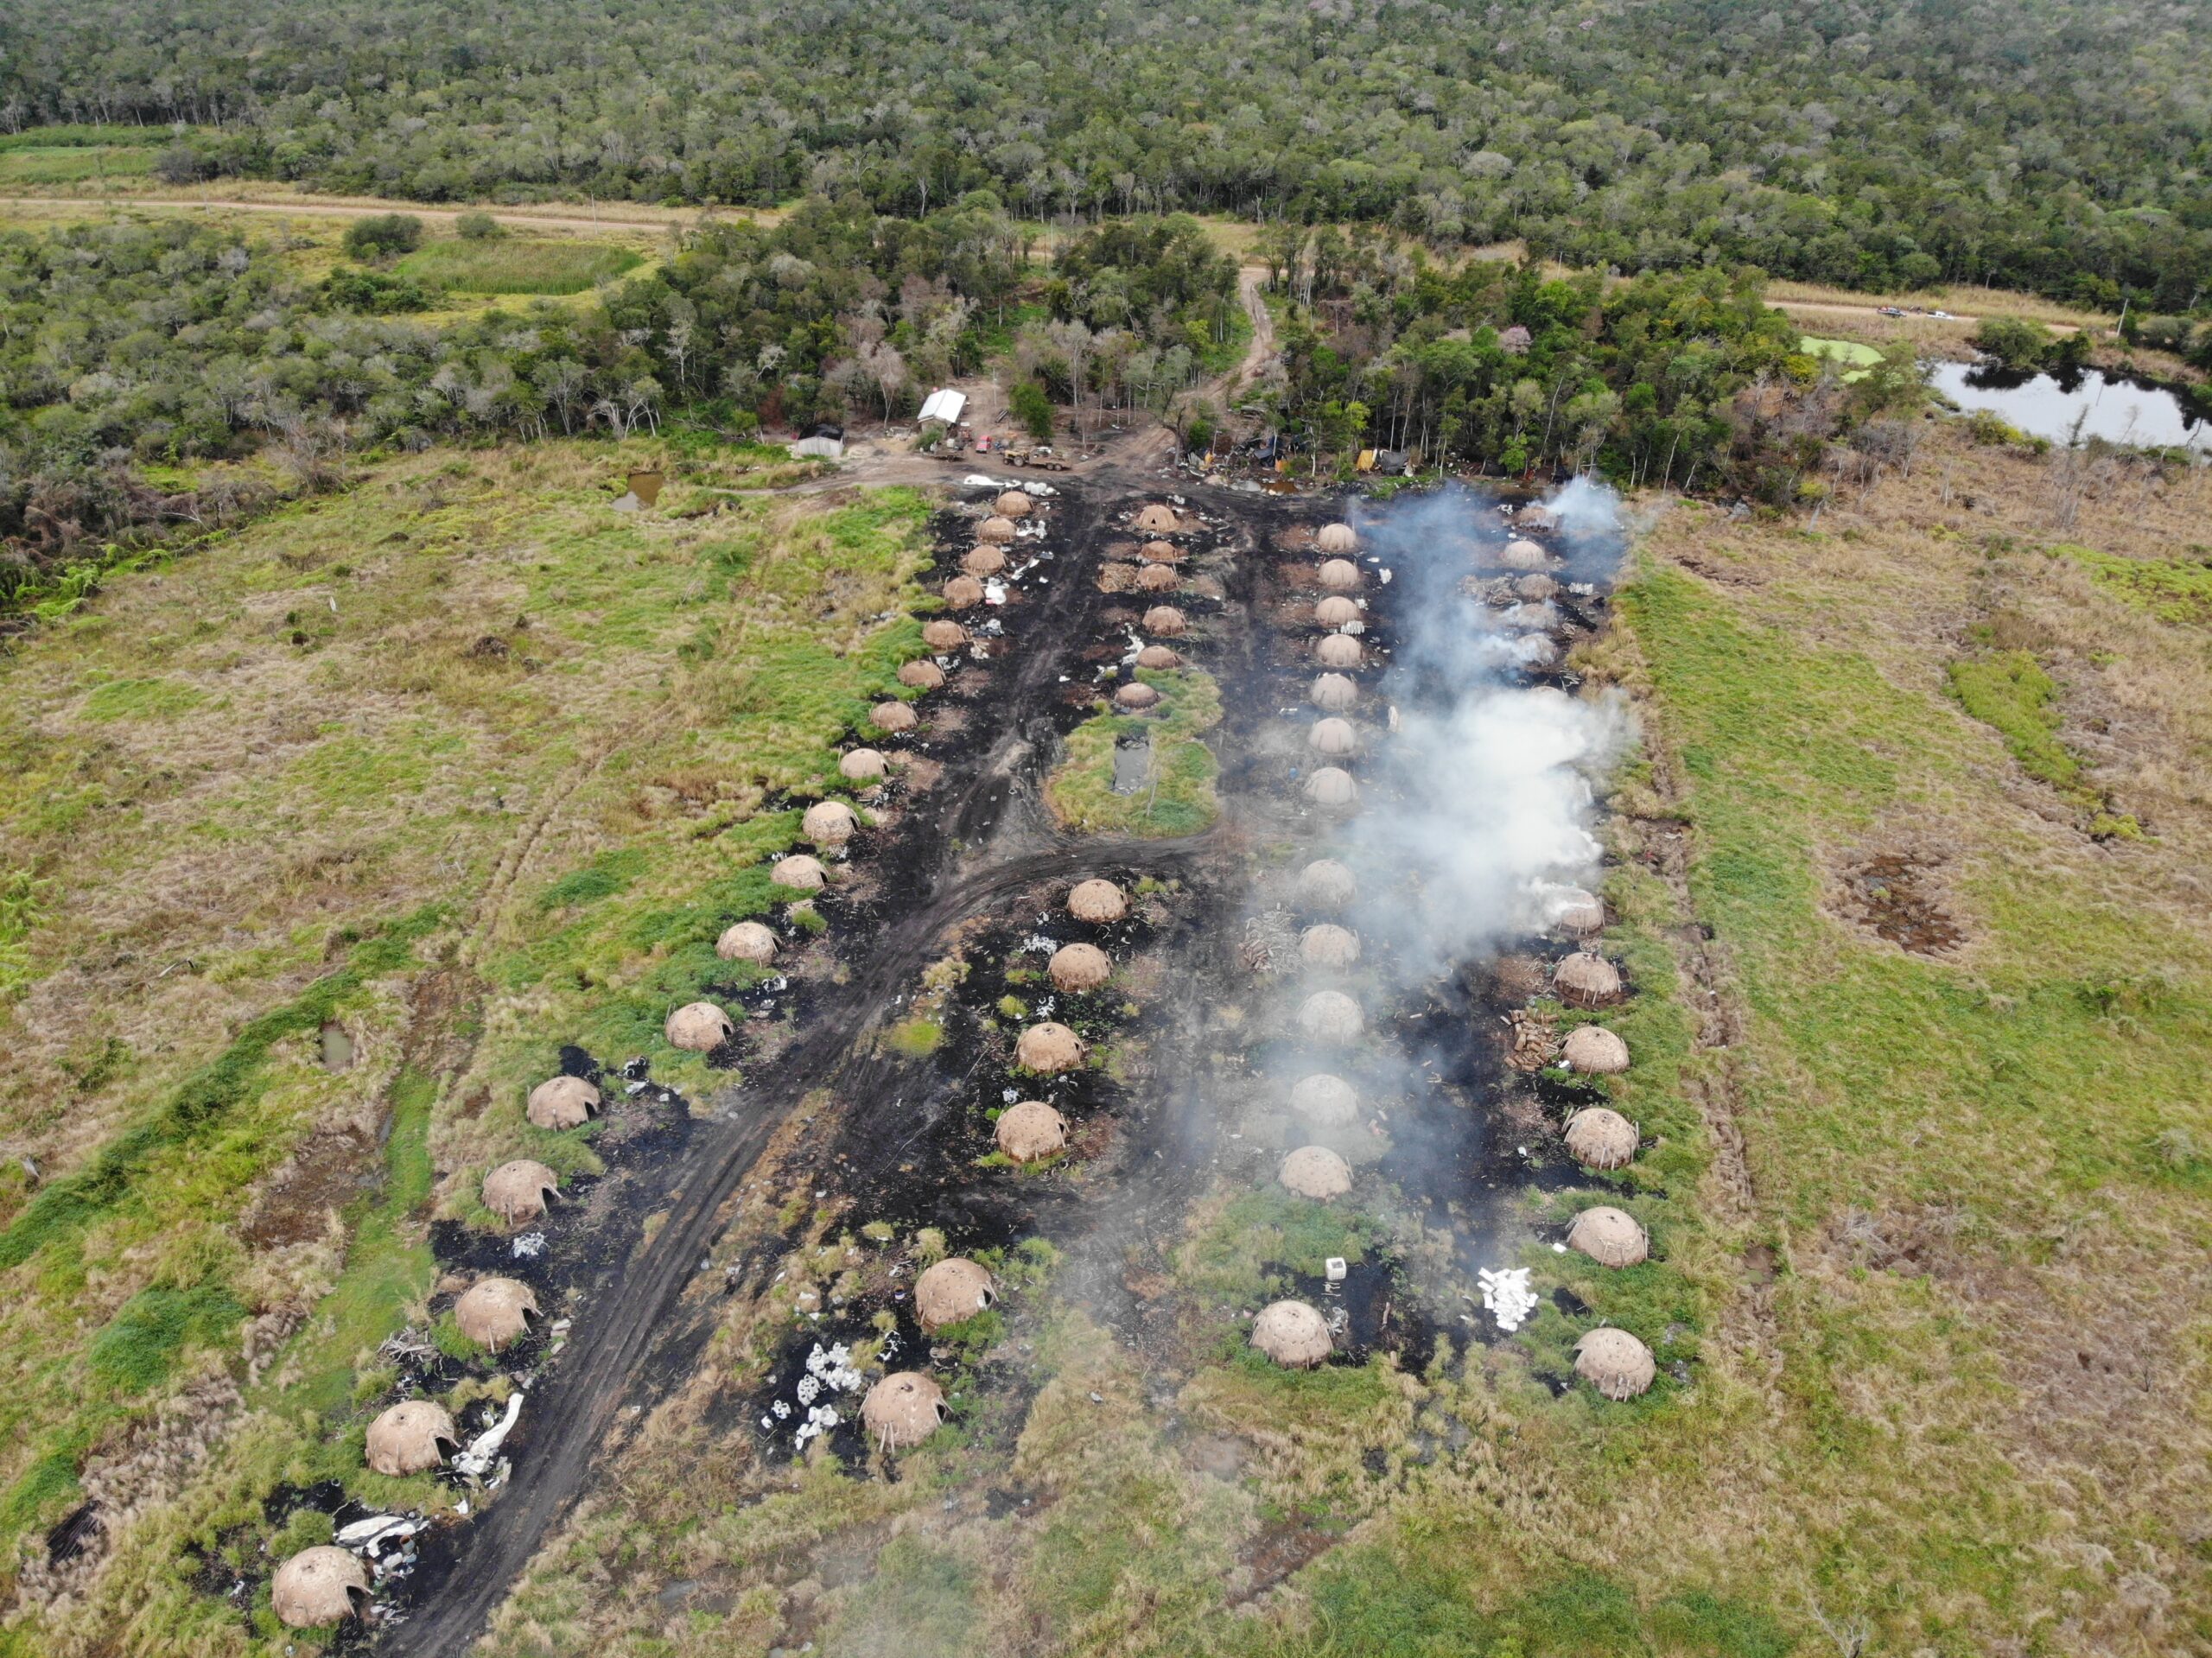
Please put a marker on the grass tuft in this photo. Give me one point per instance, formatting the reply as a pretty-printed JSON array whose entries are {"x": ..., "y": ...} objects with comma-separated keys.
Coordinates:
[{"x": 1180, "y": 799}]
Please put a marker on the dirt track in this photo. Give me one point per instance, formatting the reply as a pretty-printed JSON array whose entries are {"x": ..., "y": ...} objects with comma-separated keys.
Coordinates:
[
  {"x": 1263, "y": 348},
  {"x": 635, "y": 1311},
  {"x": 441, "y": 216}
]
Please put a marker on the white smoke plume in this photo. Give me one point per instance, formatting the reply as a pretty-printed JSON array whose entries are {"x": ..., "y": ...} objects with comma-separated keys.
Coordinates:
[{"x": 1482, "y": 819}]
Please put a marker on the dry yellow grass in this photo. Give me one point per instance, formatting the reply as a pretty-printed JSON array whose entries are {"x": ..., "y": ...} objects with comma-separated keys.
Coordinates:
[
  {"x": 273, "y": 195},
  {"x": 1962, "y": 300}
]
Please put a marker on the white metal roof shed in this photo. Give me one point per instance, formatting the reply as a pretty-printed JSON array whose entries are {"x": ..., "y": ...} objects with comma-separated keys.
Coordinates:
[{"x": 946, "y": 405}]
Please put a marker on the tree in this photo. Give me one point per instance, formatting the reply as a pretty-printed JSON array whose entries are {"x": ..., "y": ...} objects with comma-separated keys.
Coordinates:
[{"x": 1028, "y": 405}]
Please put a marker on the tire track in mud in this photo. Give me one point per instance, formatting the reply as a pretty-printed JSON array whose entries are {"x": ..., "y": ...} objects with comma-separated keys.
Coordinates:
[{"x": 626, "y": 1318}]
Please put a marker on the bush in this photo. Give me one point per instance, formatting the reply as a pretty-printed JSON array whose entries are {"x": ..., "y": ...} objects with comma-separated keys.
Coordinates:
[
  {"x": 1994, "y": 430},
  {"x": 2012, "y": 340},
  {"x": 1034, "y": 409},
  {"x": 383, "y": 234},
  {"x": 478, "y": 227},
  {"x": 372, "y": 293},
  {"x": 179, "y": 164}
]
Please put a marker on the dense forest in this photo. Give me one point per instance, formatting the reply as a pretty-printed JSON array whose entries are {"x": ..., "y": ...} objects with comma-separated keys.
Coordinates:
[
  {"x": 161, "y": 375},
  {"x": 2062, "y": 148}
]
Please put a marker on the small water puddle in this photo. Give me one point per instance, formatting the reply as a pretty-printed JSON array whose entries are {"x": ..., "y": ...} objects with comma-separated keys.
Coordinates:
[
  {"x": 337, "y": 1047},
  {"x": 2087, "y": 404},
  {"x": 1132, "y": 763}
]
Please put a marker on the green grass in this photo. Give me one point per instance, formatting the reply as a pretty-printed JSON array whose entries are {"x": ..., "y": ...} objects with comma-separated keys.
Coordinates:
[
  {"x": 611, "y": 873},
  {"x": 67, "y": 155},
  {"x": 198, "y": 1110},
  {"x": 83, "y": 135},
  {"x": 140, "y": 699},
  {"x": 1871, "y": 1080},
  {"x": 668, "y": 676},
  {"x": 388, "y": 1269},
  {"x": 2174, "y": 590},
  {"x": 20, "y": 912},
  {"x": 173, "y": 1178},
  {"x": 1180, "y": 799},
  {"x": 516, "y": 264},
  {"x": 73, "y": 165},
  {"x": 139, "y": 1347},
  {"x": 1856, "y": 357},
  {"x": 1379, "y": 1603},
  {"x": 1260, "y": 1238},
  {"x": 916, "y": 1038},
  {"x": 2009, "y": 691},
  {"x": 1788, "y": 748},
  {"x": 1844, "y": 351}
]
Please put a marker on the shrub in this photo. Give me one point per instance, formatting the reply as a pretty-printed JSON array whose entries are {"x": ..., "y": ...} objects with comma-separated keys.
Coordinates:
[
  {"x": 372, "y": 293},
  {"x": 179, "y": 164},
  {"x": 478, "y": 227},
  {"x": 383, "y": 234},
  {"x": 2012, "y": 340}
]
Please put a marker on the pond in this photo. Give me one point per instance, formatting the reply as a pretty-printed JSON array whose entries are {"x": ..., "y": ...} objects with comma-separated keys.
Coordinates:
[{"x": 2106, "y": 406}]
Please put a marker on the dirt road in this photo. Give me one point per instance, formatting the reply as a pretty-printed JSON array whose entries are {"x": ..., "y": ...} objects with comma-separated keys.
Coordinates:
[
  {"x": 444, "y": 217},
  {"x": 1863, "y": 312},
  {"x": 1873, "y": 315},
  {"x": 1261, "y": 351}
]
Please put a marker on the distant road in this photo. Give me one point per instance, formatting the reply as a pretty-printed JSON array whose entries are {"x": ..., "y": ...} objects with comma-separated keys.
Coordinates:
[
  {"x": 566, "y": 221},
  {"x": 1873, "y": 313}
]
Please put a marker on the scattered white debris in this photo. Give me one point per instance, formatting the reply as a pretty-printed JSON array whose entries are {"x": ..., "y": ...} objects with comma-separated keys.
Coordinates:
[
  {"x": 834, "y": 1366},
  {"x": 528, "y": 1246},
  {"x": 378, "y": 1533},
  {"x": 479, "y": 1456},
  {"x": 1507, "y": 1295}
]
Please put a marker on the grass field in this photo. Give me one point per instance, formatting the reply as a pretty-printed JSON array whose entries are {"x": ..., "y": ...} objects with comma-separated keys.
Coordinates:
[
  {"x": 69, "y": 155},
  {"x": 69, "y": 163},
  {"x": 1968, "y": 1407},
  {"x": 1933, "y": 1348},
  {"x": 518, "y": 264},
  {"x": 460, "y": 761}
]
